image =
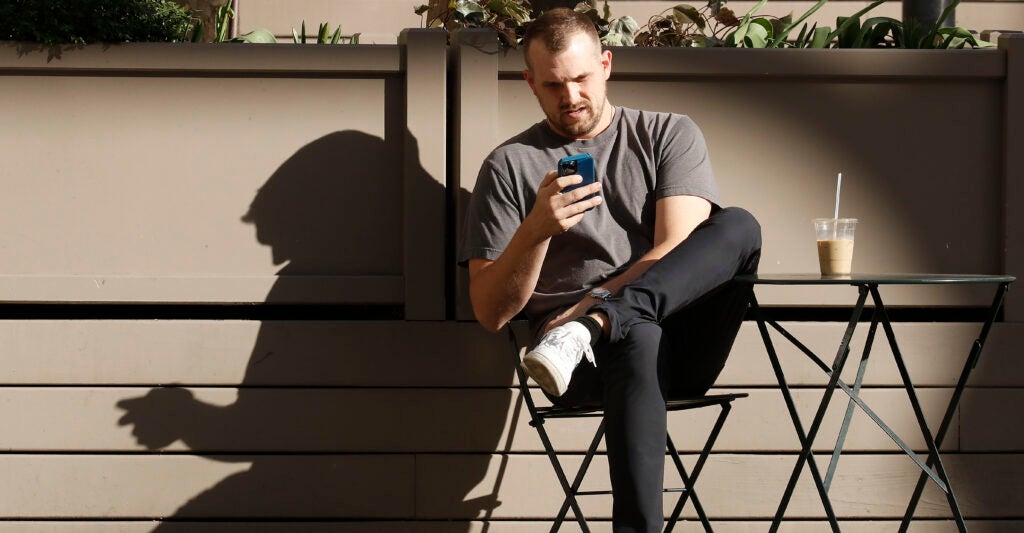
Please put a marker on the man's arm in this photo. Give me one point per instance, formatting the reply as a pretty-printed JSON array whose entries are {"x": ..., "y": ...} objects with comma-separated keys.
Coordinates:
[
  {"x": 674, "y": 219},
  {"x": 500, "y": 289}
]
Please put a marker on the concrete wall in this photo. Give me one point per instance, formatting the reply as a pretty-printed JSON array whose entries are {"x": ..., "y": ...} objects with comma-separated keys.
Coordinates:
[{"x": 168, "y": 365}]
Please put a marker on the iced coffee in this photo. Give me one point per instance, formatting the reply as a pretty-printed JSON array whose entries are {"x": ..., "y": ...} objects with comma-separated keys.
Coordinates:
[{"x": 835, "y": 245}]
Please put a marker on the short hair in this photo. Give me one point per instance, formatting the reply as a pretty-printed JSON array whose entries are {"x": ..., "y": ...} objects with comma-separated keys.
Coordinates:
[{"x": 555, "y": 27}]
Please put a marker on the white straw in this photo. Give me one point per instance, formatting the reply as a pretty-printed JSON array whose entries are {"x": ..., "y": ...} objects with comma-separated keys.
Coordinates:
[{"x": 839, "y": 185}]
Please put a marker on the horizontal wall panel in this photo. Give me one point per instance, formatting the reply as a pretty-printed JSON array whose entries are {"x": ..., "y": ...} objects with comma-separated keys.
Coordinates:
[
  {"x": 990, "y": 420},
  {"x": 252, "y": 353},
  {"x": 454, "y": 487},
  {"x": 745, "y": 486},
  {"x": 493, "y": 526},
  {"x": 349, "y": 353},
  {"x": 191, "y": 59},
  {"x": 426, "y": 420},
  {"x": 152, "y": 486},
  {"x": 935, "y": 354},
  {"x": 271, "y": 184},
  {"x": 206, "y": 289}
]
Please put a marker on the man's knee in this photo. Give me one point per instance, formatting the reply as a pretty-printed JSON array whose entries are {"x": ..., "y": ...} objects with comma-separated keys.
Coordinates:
[{"x": 742, "y": 229}]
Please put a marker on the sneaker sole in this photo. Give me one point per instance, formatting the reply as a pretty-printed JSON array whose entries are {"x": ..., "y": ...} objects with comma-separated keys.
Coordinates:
[{"x": 537, "y": 367}]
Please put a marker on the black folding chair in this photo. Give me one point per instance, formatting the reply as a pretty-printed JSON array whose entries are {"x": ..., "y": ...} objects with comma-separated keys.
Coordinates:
[{"x": 538, "y": 415}]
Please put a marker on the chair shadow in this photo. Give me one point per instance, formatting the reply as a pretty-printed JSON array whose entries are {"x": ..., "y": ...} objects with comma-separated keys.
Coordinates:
[{"x": 318, "y": 449}]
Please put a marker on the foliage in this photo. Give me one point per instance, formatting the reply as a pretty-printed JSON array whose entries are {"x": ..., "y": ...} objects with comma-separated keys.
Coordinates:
[
  {"x": 323, "y": 35},
  {"x": 711, "y": 25},
  {"x": 507, "y": 17},
  {"x": 716, "y": 25},
  {"x": 261, "y": 36},
  {"x": 54, "y": 22},
  {"x": 885, "y": 32},
  {"x": 511, "y": 17}
]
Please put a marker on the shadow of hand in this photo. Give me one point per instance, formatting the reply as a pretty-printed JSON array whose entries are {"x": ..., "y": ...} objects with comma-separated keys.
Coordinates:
[{"x": 160, "y": 417}]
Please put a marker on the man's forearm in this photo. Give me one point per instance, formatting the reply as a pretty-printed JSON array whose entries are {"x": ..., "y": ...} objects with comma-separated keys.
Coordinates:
[{"x": 501, "y": 289}]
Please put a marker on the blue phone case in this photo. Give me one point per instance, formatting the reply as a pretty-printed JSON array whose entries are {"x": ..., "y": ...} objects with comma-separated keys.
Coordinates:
[{"x": 582, "y": 164}]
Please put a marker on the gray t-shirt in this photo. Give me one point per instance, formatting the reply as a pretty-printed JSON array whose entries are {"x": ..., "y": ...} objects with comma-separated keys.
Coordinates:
[{"x": 642, "y": 157}]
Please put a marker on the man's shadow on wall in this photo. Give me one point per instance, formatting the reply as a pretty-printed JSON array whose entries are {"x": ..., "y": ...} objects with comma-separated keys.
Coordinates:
[{"x": 322, "y": 212}]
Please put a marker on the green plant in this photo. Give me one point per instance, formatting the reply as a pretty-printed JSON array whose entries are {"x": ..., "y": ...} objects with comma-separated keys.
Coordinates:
[
  {"x": 885, "y": 32},
  {"x": 507, "y": 17},
  {"x": 323, "y": 35},
  {"x": 55, "y": 22},
  {"x": 510, "y": 17},
  {"x": 716, "y": 25},
  {"x": 222, "y": 25},
  {"x": 613, "y": 32}
]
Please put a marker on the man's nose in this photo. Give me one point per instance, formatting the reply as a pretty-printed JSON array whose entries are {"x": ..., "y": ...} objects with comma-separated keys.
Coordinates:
[{"x": 572, "y": 92}]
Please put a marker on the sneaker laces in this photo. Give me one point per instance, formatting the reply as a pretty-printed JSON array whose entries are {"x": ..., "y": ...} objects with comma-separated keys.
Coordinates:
[{"x": 565, "y": 335}]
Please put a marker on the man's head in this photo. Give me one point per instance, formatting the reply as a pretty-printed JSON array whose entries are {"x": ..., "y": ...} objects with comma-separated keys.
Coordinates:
[{"x": 568, "y": 71}]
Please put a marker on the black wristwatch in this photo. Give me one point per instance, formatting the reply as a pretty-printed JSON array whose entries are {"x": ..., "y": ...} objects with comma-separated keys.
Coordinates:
[{"x": 600, "y": 293}]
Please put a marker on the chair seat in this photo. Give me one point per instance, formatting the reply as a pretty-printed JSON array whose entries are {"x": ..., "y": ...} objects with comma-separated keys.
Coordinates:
[{"x": 678, "y": 404}]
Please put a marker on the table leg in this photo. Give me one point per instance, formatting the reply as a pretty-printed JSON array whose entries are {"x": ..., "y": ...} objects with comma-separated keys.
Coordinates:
[
  {"x": 918, "y": 412},
  {"x": 972, "y": 361},
  {"x": 841, "y": 439},
  {"x": 806, "y": 453}
]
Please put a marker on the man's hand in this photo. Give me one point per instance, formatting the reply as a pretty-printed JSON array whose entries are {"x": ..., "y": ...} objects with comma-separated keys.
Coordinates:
[
  {"x": 553, "y": 212},
  {"x": 581, "y": 308}
]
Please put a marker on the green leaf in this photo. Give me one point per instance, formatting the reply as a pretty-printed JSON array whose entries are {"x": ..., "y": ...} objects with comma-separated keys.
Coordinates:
[
  {"x": 257, "y": 37},
  {"x": 929, "y": 39},
  {"x": 764, "y": 23},
  {"x": 465, "y": 8},
  {"x": 778, "y": 26},
  {"x": 422, "y": 9},
  {"x": 741, "y": 30},
  {"x": 337, "y": 35},
  {"x": 822, "y": 37},
  {"x": 687, "y": 14},
  {"x": 321, "y": 34},
  {"x": 957, "y": 37},
  {"x": 295, "y": 36},
  {"x": 875, "y": 30},
  {"x": 303, "y": 32},
  {"x": 800, "y": 38},
  {"x": 757, "y": 34},
  {"x": 849, "y": 20},
  {"x": 785, "y": 32}
]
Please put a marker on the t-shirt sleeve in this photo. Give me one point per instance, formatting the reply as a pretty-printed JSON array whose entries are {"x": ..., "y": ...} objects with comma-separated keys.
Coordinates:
[
  {"x": 492, "y": 217},
  {"x": 684, "y": 166}
]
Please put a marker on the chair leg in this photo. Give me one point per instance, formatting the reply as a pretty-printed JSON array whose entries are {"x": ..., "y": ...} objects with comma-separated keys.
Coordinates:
[
  {"x": 570, "y": 490},
  {"x": 690, "y": 481}
]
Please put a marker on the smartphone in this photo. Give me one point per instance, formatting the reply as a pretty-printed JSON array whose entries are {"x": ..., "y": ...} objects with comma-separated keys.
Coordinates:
[{"x": 582, "y": 164}]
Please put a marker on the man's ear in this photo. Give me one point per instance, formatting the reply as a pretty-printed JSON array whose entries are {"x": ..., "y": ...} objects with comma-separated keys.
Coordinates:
[
  {"x": 529, "y": 80},
  {"x": 606, "y": 63}
]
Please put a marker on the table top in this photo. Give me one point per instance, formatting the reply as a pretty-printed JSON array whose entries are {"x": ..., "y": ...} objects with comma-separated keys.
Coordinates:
[{"x": 858, "y": 278}]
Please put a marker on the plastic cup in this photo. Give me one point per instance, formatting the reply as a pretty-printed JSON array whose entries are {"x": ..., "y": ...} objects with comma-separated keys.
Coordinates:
[{"x": 835, "y": 244}]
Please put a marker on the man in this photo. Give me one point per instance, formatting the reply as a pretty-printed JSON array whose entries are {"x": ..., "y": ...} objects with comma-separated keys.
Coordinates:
[{"x": 630, "y": 291}]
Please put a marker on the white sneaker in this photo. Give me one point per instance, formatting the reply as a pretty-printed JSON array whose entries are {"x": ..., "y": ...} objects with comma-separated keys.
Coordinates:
[{"x": 552, "y": 361}]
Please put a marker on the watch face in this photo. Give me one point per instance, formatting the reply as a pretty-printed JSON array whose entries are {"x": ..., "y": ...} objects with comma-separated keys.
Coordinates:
[{"x": 600, "y": 293}]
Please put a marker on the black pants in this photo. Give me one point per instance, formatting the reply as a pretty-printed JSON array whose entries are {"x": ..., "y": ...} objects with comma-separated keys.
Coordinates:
[{"x": 671, "y": 332}]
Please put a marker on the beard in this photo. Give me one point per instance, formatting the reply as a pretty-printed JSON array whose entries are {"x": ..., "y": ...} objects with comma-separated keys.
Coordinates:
[{"x": 584, "y": 124}]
